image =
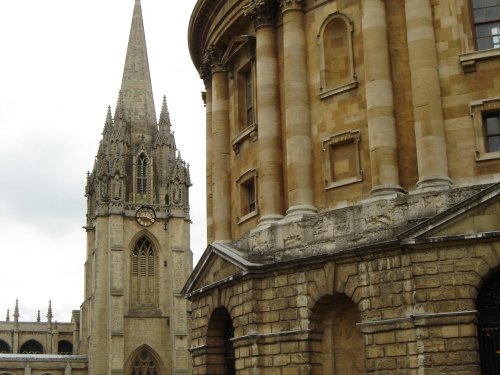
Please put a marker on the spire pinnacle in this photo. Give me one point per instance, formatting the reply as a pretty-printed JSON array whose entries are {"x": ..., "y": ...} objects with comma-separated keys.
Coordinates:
[
  {"x": 137, "y": 91},
  {"x": 16, "y": 311},
  {"x": 7, "y": 318},
  {"x": 49, "y": 312},
  {"x": 38, "y": 317},
  {"x": 164, "y": 122},
  {"x": 108, "y": 124}
]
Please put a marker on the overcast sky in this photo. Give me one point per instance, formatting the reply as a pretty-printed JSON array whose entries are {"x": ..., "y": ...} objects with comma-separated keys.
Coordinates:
[{"x": 61, "y": 66}]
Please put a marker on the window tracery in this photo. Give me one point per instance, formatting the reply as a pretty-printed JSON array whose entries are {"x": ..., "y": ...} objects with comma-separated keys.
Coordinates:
[
  {"x": 144, "y": 364},
  {"x": 143, "y": 271},
  {"x": 142, "y": 174}
]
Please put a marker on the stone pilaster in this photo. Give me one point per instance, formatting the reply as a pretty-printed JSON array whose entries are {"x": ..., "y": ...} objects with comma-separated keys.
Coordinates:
[
  {"x": 268, "y": 117},
  {"x": 427, "y": 108},
  {"x": 297, "y": 116},
  {"x": 221, "y": 176},
  {"x": 379, "y": 100}
]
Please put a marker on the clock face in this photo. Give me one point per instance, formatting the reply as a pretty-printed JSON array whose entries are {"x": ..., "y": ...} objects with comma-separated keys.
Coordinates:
[{"x": 145, "y": 216}]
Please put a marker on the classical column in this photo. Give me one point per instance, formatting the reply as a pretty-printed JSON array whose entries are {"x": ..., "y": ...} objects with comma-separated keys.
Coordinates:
[
  {"x": 270, "y": 181},
  {"x": 427, "y": 108},
  {"x": 379, "y": 100},
  {"x": 221, "y": 176},
  {"x": 206, "y": 75},
  {"x": 297, "y": 116}
]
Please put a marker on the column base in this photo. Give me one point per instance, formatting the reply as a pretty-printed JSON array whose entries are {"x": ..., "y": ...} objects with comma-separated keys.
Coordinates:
[
  {"x": 434, "y": 183},
  {"x": 386, "y": 190},
  {"x": 301, "y": 210}
]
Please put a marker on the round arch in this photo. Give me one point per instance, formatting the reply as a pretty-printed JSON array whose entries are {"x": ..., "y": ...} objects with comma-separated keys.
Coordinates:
[
  {"x": 220, "y": 331},
  {"x": 144, "y": 361}
]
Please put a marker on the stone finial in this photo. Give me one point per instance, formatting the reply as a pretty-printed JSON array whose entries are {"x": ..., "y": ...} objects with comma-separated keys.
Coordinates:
[
  {"x": 7, "y": 318},
  {"x": 49, "y": 312},
  {"x": 263, "y": 12},
  {"x": 38, "y": 320},
  {"x": 16, "y": 312}
]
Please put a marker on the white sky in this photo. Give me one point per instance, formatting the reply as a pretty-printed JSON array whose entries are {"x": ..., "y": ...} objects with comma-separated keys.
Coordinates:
[{"x": 61, "y": 66}]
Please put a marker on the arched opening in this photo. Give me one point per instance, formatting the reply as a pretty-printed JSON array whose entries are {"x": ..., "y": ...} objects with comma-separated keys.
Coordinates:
[
  {"x": 221, "y": 359},
  {"x": 488, "y": 306},
  {"x": 31, "y": 347},
  {"x": 64, "y": 347},
  {"x": 143, "y": 271},
  {"x": 337, "y": 63},
  {"x": 337, "y": 344},
  {"x": 142, "y": 174},
  {"x": 144, "y": 362},
  {"x": 4, "y": 347}
]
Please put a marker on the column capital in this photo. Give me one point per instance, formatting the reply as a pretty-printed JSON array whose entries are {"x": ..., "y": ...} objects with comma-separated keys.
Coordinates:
[
  {"x": 292, "y": 5},
  {"x": 263, "y": 12},
  {"x": 211, "y": 63}
]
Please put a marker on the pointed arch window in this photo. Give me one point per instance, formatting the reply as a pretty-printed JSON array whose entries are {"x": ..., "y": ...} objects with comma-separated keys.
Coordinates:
[
  {"x": 64, "y": 347},
  {"x": 4, "y": 347},
  {"x": 31, "y": 347},
  {"x": 142, "y": 174},
  {"x": 144, "y": 364},
  {"x": 143, "y": 271}
]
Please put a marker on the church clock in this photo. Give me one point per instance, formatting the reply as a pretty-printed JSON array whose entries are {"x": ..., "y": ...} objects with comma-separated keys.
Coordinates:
[{"x": 145, "y": 216}]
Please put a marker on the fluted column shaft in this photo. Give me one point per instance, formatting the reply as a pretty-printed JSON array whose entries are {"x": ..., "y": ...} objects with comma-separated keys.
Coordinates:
[
  {"x": 209, "y": 182},
  {"x": 427, "y": 108},
  {"x": 379, "y": 100},
  {"x": 297, "y": 116},
  {"x": 221, "y": 176}
]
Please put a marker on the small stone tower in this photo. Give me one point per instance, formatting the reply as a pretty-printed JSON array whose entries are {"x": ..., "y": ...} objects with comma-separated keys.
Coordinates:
[{"x": 138, "y": 255}]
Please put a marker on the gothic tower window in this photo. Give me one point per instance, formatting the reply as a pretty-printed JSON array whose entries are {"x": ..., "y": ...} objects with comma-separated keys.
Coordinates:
[
  {"x": 486, "y": 14},
  {"x": 488, "y": 306},
  {"x": 142, "y": 174},
  {"x": 31, "y": 347},
  {"x": 144, "y": 364},
  {"x": 143, "y": 271}
]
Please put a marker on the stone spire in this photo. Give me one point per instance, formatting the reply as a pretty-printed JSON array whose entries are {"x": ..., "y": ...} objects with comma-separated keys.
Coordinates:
[
  {"x": 49, "y": 313},
  {"x": 108, "y": 124},
  {"x": 16, "y": 312},
  {"x": 164, "y": 122},
  {"x": 136, "y": 90},
  {"x": 7, "y": 318}
]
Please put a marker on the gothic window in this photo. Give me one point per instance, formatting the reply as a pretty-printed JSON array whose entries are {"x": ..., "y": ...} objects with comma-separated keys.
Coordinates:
[
  {"x": 4, "y": 347},
  {"x": 142, "y": 174},
  {"x": 143, "y": 270},
  {"x": 486, "y": 15},
  {"x": 336, "y": 57},
  {"x": 337, "y": 345},
  {"x": 31, "y": 347},
  {"x": 144, "y": 364},
  {"x": 488, "y": 306},
  {"x": 221, "y": 350},
  {"x": 64, "y": 347}
]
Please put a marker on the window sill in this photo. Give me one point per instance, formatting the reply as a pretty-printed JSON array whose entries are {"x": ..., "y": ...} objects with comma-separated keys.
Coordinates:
[
  {"x": 250, "y": 132},
  {"x": 485, "y": 156},
  {"x": 347, "y": 181},
  {"x": 468, "y": 60},
  {"x": 248, "y": 216},
  {"x": 338, "y": 90}
]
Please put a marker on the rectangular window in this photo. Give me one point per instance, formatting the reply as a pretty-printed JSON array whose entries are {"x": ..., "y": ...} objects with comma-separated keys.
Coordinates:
[
  {"x": 341, "y": 160},
  {"x": 247, "y": 189},
  {"x": 249, "y": 97},
  {"x": 492, "y": 131},
  {"x": 486, "y": 14}
]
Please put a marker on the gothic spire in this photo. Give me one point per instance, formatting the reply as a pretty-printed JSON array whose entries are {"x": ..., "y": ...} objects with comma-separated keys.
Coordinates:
[
  {"x": 49, "y": 313},
  {"x": 136, "y": 90},
  {"x": 7, "y": 318},
  {"x": 164, "y": 122},
  {"x": 108, "y": 124},
  {"x": 16, "y": 312}
]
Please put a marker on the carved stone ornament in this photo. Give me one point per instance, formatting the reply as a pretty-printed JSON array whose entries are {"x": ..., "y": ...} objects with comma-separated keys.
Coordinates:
[
  {"x": 292, "y": 4},
  {"x": 263, "y": 12},
  {"x": 212, "y": 58}
]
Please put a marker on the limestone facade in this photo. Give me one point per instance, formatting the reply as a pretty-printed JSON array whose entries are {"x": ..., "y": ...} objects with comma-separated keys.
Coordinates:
[
  {"x": 353, "y": 160},
  {"x": 134, "y": 319}
]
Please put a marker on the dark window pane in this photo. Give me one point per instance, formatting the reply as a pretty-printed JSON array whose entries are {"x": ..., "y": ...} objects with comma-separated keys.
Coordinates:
[
  {"x": 479, "y": 15},
  {"x": 493, "y": 125},
  {"x": 484, "y": 43},
  {"x": 494, "y": 143},
  {"x": 491, "y": 14}
]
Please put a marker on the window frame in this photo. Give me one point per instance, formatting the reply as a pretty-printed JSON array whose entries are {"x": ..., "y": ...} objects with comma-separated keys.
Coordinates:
[
  {"x": 476, "y": 23},
  {"x": 246, "y": 179},
  {"x": 478, "y": 110}
]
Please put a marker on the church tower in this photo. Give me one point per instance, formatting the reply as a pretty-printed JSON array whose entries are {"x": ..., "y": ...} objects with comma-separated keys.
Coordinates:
[{"x": 133, "y": 318}]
